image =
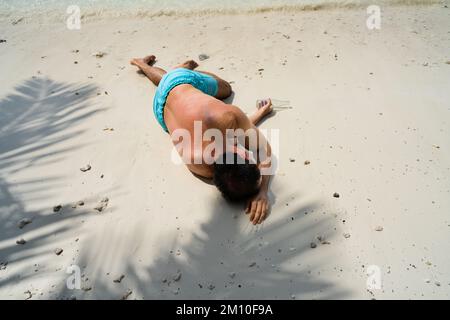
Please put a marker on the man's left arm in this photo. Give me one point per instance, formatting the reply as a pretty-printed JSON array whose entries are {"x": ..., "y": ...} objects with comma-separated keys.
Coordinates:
[{"x": 258, "y": 206}]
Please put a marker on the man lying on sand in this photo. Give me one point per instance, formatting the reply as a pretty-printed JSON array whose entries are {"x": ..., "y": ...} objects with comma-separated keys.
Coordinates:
[{"x": 183, "y": 98}]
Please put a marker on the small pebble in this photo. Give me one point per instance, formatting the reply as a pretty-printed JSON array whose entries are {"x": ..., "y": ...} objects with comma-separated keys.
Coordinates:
[
  {"x": 22, "y": 223},
  {"x": 291, "y": 159},
  {"x": 313, "y": 245},
  {"x": 232, "y": 275},
  {"x": 17, "y": 21},
  {"x": 127, "y": 294},
  {"x": 177, "y": 276},
  {"x": 379, "y": 228},
  {"x": 29, "y": 294},
  {"x": 346, "y": 235},
  {"x": 78, "y": 204},
  {"x": 336, "y": 195},
  {"x": 99, "y": 54},
  {"x": 322, "y": 240},
  {"x": 307, "y": 162},
  {"x": 21, "y": 241},
  {"x": 86, "y": 168},
  {"x": 203, "y": 56},
  {"x": 102, "y": 205},
  {"x": 58, "y": 251},
  {"x": 252, "y": 264},
  {"x": 57, "y": 208},
  {"x": 119, "y": 279}
]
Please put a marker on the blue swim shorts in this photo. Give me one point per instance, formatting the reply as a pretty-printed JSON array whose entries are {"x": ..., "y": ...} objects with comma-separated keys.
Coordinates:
[{"x": 170, "y": 80}]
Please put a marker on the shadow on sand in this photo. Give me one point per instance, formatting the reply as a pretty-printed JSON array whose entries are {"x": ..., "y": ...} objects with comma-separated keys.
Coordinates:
[
  {"x": 36, "y": 121},
  {"x": 227, "y": 258}
]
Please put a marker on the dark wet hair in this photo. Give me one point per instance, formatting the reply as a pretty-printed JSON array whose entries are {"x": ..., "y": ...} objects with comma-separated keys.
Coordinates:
[{"x": 237, "y": 180}]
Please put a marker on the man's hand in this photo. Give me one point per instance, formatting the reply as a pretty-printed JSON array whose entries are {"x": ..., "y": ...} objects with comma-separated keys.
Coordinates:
[
  {"x": 265, "y": 106},
  {"x": 258, "y": 207}
]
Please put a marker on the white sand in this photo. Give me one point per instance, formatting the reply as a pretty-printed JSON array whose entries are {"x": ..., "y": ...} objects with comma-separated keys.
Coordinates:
[{"x": 373, "y": 138}]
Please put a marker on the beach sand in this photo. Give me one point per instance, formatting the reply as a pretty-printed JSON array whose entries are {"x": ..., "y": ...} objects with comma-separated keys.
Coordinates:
[{"x": 370, "y": 112}]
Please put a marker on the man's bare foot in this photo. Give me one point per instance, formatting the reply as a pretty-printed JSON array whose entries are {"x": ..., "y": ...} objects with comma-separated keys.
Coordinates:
[
  {"x": 148, "y": 60},
  {"x": 265, "y": 107},
  {"x": 190, "y": 64}
]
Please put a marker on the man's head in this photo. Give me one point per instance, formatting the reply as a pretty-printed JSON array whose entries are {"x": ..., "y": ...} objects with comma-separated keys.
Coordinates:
[{"x": 236, "y": 176}]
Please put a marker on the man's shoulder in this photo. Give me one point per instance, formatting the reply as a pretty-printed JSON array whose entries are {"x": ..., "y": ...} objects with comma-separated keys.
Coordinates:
[{"x": 224, "y": 117}]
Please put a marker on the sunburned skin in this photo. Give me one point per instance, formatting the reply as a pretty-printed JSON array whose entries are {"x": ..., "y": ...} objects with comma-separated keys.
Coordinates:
[{"x": 185, "y": 105}]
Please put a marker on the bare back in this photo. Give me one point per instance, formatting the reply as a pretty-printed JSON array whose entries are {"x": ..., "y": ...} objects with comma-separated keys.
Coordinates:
[{"x": 185, "y": 105}]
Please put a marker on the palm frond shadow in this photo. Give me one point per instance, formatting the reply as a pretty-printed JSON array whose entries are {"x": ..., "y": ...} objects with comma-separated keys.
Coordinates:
[
  {"x": 230, "y": 259},
  {"x": 35, "y": 121}
]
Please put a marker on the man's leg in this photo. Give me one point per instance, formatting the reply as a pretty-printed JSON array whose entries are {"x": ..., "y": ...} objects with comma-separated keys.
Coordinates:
[
  {"x": 188, "y": 64},
  {"x": 145, "y": 65},
  {"x": 262, "y": 110},
  {"x": 224, "y": 90}
]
